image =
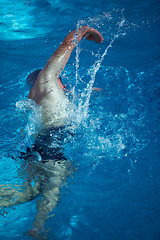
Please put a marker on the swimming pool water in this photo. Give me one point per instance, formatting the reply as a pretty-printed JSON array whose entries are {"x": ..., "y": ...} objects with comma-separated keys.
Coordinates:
[{"x": 115, "y": 192}]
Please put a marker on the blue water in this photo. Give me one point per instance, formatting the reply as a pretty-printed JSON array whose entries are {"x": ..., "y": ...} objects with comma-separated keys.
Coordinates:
[{"x": 115, "y": 192}]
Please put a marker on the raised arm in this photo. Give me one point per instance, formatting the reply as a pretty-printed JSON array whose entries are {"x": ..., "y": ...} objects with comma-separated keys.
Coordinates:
[{"x": 58, "y": 60}]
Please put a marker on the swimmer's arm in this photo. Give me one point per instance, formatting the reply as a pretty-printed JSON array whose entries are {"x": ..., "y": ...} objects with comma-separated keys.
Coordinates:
[{"x": 58, "y": 60}]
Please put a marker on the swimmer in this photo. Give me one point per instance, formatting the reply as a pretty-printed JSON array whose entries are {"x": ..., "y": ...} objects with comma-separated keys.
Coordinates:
[
  {"x": 48, "y": 89},
  {"x": 50, "y": 172}
]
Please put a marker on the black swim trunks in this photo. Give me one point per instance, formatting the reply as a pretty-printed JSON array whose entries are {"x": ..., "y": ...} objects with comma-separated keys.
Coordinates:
[{"x": 47, "y": 146}]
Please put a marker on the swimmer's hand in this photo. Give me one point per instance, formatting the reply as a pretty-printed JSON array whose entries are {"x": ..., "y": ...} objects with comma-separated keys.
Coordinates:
[
  {"x": 96, "y": 89},
  {"x": 91, "y": 34}
]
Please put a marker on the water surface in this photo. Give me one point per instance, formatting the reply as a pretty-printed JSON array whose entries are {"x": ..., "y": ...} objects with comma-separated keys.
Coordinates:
[{"x": 115, "y": 192}]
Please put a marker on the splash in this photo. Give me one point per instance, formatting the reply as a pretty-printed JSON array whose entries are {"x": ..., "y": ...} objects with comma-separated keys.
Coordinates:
[
  {"x": 96, "y": 22},
  {"x": 33, "y": 115}
]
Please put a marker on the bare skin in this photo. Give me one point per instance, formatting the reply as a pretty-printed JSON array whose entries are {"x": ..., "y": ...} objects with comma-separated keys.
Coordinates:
[
  {"x": 58, "y": 60},
  {"x": 48, "y": 91}
]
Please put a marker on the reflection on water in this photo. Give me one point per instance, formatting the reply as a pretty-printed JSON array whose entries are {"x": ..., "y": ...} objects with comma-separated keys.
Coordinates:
[
  {"x": 17, "y": 21},
  {"x": 24, "y": 19}
]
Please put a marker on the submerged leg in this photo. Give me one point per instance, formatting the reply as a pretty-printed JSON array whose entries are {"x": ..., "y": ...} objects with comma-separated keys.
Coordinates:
[
  {"x": 48, "y": 178},
  {"x": 13, "y": 194},
  {"x": 57, "y": 173}
]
